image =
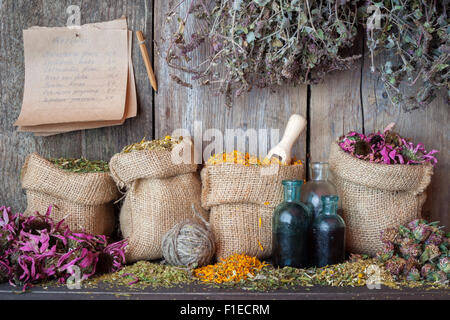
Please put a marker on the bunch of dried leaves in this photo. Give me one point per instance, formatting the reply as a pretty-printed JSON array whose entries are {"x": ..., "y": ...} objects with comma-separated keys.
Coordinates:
[
  {"x": 260, "y": 43},
  {"x": 414, "y": 35}
]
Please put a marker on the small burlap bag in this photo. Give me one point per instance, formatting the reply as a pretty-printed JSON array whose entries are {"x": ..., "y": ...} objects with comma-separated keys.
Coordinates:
[
  {"x": 376, "y": 196},
  {"x": 83, "y": 200},
  {"x": 242, "y": 201},
  {"x": 159, "y": 195}
]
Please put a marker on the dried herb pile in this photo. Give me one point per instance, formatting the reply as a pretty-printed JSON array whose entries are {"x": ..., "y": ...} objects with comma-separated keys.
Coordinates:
[
  {"x": 414, "y": 36},
  {"x": 81, "y": 165},
  {"x": 358, "y": 271},
  {"x": 232, "y": 269},
  {"x": 417, "y": 251},
  {"x": 386, "y": 147},
  {"x": 144, "y": 274},
  {"x": 165, "y": 144},
  {"x": 260, "y": 43},
  {"x": 246, "y": 159},
  {"x": 36, "y": 248}
]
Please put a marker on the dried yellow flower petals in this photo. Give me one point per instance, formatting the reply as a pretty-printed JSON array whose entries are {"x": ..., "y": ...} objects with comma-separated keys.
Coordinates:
[
  {"x": 234, "y": 268},
  {"x": 246, "y": 159}
]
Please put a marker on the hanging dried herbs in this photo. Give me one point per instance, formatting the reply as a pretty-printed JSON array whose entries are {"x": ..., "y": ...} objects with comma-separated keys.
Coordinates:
[
  {"x": 261, "y": 43},
  {"x": 81, "y": 165},
  {"x": 414, "y": 36}
]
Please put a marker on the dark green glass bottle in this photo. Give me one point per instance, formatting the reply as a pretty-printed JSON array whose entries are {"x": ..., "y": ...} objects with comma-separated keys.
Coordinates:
[
  {"x": 291, "y": 220},
  {"x": 327, "y": 234}
]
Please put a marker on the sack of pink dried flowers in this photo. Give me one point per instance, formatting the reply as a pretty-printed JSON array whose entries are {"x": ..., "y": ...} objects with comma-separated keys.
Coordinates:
[{"x": 381, "y": 179}]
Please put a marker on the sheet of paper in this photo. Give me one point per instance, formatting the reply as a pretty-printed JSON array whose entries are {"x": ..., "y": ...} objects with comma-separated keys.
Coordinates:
[
  {"x": 74, "y": 75},
  {"x": 130, "y": 107}
]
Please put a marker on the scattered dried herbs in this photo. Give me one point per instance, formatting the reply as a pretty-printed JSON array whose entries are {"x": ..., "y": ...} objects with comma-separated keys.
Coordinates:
[
  {"x": 414, "y": 35},
  {"x": 81, "y": 165},
  {"x": 260, "y": 43},
  {"x": 232, "y": 269},
  {"x": 246, "y": 159},
  {"x": 387, "y": 147},
  {"x": 165, "y": 144},
  {"x": 144, "y": 274},
  {"x": 36, "y": 248},
  {"x": 358, "y": 271},
  {"x": 417, "y": 251}
]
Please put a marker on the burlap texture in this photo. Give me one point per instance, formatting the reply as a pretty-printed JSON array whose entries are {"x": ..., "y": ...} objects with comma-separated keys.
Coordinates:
[
  {"x": 239, "y": 196},
  {"x": 159, "y": 195},
  {"x": 376, "y": 196},
  {"x": 82, "y": 199}
]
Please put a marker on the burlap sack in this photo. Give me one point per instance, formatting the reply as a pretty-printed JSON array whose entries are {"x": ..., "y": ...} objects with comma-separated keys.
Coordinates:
[
  {"x": 242, "y": 201},
  {"x": 159, "y": 195},
  {"x": 84, "y": 200},
  {"x": 376, "y": 196}
]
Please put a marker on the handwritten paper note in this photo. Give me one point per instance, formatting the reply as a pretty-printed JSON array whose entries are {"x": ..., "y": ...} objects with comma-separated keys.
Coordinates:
[{"x": 77, "y": 78}]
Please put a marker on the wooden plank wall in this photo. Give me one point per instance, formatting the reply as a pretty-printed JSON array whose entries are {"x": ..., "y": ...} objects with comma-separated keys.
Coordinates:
[{"x": 350, "y": 100}]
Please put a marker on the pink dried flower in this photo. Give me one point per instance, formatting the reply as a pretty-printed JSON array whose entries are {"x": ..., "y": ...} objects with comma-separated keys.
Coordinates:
[
  {"x": 387, "y": 147},
  {"x": 36, "y": 248}
]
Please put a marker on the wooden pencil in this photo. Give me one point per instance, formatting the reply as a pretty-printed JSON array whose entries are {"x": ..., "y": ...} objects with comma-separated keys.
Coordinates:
[{"x": 148, "y": 65}]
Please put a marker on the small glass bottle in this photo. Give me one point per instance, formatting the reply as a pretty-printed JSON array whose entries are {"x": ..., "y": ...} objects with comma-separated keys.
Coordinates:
[
  {"x": 291, "y": 221},
  {"x": 327, "y": 234},
  {"x": 318, "y": 186}
]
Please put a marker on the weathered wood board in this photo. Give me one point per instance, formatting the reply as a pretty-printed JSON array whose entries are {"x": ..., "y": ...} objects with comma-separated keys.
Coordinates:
[
  {"x": 95, "y": 144},
  {"x": 350, "y": 100}
]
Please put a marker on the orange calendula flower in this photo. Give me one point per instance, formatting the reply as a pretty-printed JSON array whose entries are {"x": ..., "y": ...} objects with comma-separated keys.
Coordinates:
[
  {"x": 234, "y": 268},
  {"x": 246, "y": 159}
]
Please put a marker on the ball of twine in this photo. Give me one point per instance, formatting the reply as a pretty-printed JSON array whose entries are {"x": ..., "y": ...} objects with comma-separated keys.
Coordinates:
[{"x": 189, "y": 243}]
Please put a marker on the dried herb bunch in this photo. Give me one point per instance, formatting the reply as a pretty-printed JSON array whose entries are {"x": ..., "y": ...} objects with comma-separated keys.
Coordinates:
[
  {"x": 81, "y": 165},
  {"x": 264, "y": 43},
  {"x": 414, "y": 35}
]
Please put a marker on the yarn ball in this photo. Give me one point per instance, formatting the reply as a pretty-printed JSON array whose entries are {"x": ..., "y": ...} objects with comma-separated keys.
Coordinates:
[{"x": 189, "y": 243}]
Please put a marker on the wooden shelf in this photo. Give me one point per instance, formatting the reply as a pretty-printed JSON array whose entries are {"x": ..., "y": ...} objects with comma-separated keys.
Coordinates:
[{"x": 198, "y": 292}]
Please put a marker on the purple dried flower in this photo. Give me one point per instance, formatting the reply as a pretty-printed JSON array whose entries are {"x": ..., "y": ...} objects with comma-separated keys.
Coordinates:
[
  {"x": 444, "y": 264},
  {"x": 435, "y": 239},
  {"x": 395, "y": 265},
  {"x": 36, "y": 248},
  {"x": 415, "y": 223},
  {"x": 387, "y": 147},
  {"x": 426, "y": 269},
  {"x": 387, "y": 252},
  {"x": 421, "y": 232},
  {"x": 430, "y": 252},
  {"x": 413, "y": 275}
]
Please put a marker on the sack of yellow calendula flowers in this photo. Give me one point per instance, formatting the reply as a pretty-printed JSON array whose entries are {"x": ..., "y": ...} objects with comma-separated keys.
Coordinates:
[
  {"x": 241, "y": 192},
  {"x": 159, "y": 194}
]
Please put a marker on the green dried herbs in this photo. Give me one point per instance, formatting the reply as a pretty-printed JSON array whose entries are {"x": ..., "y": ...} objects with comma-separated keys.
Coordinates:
[
  {"x": 260, "y": 43},
  {"x": 144, "y": 274},
  {"x": 165, "y": 144},
  {"x": 414, "y": 35},
  {"x": 81, "y": 165},
  {"x": 359, "y": 271}
]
